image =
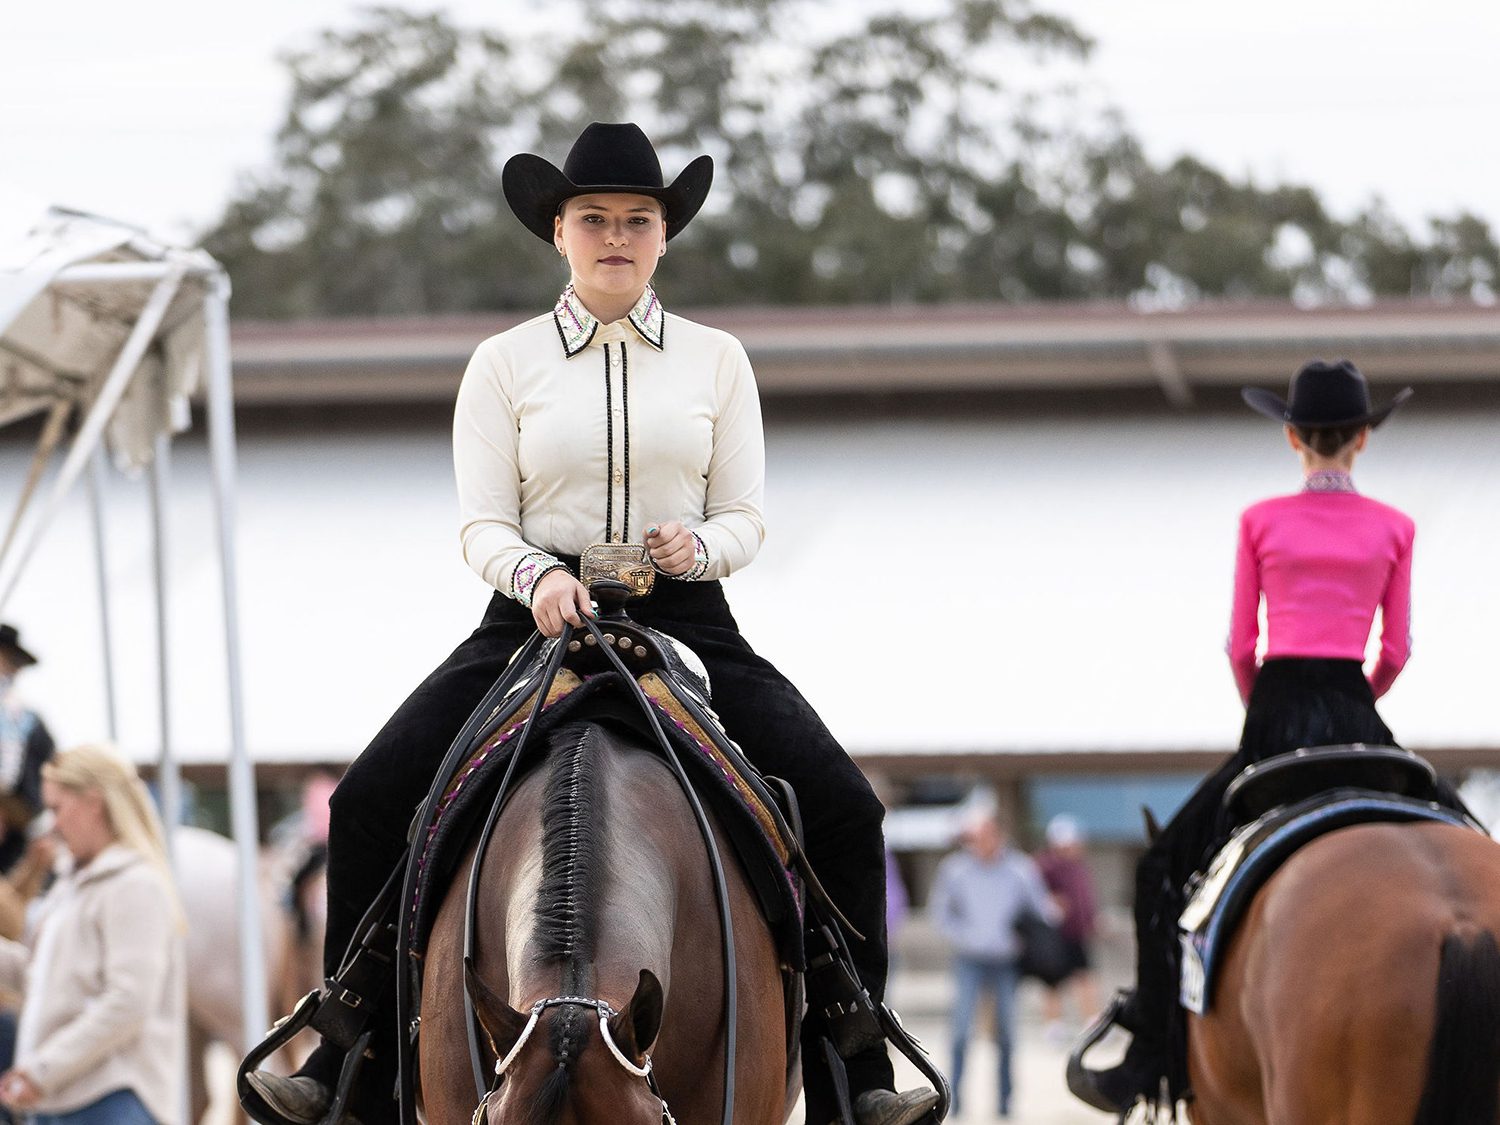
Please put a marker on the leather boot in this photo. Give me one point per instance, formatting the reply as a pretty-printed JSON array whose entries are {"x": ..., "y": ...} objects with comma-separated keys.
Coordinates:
[
  {"x": 298, "y": 1098},
  {"x": 886, "y": 1107}
]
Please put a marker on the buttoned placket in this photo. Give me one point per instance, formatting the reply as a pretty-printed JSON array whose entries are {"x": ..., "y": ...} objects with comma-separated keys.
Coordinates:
[{"x": 617, "y": 437}]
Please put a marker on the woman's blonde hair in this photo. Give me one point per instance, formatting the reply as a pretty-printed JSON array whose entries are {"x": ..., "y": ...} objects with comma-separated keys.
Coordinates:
[{"x": 128, "y": 808}]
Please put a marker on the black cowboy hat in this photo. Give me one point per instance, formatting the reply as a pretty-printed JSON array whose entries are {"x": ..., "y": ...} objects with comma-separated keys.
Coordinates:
[
  {"x": 10, "y": 641},
  {"x": 1323, "y": 395},
  {"x": 604, "y": 158}
]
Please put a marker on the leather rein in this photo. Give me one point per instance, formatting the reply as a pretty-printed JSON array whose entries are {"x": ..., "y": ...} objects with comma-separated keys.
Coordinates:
[{"x": 485, "y": 1090}]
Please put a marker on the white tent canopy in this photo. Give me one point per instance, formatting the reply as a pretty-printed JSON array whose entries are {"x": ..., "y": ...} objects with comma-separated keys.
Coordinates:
[{"x": 102, "y": 327}]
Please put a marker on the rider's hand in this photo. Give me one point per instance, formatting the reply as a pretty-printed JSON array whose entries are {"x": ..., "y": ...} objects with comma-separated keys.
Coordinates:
[
  {"x": 673, "y": 550},
  {"x": 559, "y": 598}
]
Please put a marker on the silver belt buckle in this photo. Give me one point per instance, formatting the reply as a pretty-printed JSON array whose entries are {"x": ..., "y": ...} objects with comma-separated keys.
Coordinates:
[{"x": 619, "y": 562}]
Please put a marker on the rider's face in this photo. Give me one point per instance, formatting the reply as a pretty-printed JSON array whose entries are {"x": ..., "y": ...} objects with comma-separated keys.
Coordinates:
[{"x": 612, "y": 242}]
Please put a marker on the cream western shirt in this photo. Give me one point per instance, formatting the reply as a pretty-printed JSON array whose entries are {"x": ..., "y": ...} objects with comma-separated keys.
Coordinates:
[{"x": 569, "y": 432}]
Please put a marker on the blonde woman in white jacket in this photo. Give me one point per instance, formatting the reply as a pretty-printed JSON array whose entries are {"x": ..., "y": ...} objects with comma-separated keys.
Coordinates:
[{"x": 103, "y": 1025}]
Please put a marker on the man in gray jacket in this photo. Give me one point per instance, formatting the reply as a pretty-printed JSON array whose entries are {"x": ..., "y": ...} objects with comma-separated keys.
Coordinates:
[{"x": 980, "y": 892}]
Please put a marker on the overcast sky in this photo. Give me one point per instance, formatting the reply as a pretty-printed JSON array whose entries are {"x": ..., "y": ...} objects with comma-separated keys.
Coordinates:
[{"x": 149, "y": 111}]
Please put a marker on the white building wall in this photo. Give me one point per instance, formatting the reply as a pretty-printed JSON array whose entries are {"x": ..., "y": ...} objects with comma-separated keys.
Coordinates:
[{"x": 994, "y": 582}]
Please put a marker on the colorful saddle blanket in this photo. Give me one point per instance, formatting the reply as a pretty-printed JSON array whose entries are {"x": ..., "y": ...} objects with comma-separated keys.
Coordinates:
[
  {"x": 1256, "y": 852},
  {"x": 586, "y": 687}
]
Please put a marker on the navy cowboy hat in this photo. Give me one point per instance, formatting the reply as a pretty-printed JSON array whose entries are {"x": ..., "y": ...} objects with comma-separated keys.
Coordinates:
[
  {"x": 604, "y": 158},
  {"x": 1324, "y": 395},
  {"x": 10, "y": 641}
]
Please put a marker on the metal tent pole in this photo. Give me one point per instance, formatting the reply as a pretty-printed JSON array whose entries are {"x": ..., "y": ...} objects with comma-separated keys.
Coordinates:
[
  {"x": 96, "y": 508},
  {"x": 168, "y": 779},
  {"x": 241, "y": 773},
  {"x": 98, "y": 417},
  {"x": 52, "y": 433}
]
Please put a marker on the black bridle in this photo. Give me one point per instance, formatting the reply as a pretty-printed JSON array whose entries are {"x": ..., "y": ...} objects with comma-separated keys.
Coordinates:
[{"x": 716, "y": 865}]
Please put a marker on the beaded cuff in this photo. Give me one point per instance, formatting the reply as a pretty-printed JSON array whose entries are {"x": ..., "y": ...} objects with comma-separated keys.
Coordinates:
[
  {"x": 694, "y": 572},
  {"x": 700, "y": 562},
  {"x": 529, "y": 571}
]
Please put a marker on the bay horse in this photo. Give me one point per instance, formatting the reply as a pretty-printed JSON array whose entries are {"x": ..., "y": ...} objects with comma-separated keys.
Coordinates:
[
  {"x": 596, "y": 890},
  {"x": 1362, "y": 987}
]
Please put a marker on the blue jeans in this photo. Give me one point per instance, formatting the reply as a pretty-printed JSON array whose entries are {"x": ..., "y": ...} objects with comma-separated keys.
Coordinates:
[
  {"x": 120, "y": 1108},
  {"x": 7, "y": 1055},
  {"x": 972, "y": 976}
]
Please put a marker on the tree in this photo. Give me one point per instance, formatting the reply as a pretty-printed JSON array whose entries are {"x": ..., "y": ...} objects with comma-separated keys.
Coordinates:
[
  {"x": 849, "y": 161},
  {"x": 386, "y": 195},
  {"x": 863, "y": 154}
]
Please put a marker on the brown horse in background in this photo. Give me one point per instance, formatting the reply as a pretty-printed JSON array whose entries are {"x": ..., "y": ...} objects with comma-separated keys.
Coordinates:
[
  {"x": 596, "y": 884},
  {"x": 1362, "y": 987}
]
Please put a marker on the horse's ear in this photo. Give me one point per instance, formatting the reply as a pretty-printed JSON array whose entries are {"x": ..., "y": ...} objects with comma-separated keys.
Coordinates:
[
  {"x": 636, "y": 1028},
  {"x": 1153, "y": 829},
  {"x": 502, "y": 1023}
]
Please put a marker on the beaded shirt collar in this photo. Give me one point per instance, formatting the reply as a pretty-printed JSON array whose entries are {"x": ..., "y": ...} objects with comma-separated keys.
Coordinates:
[
  {"x": 1328, "y": 480},
  {"x": 576, "y": 326}
]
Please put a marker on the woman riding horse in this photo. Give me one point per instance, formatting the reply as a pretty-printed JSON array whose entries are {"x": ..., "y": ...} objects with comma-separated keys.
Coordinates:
[
  {"x": 1324, "y": 559},
  {"x": 609, "y": 420}
]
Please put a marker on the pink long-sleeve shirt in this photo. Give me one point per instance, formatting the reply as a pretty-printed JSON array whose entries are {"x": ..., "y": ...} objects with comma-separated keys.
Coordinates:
[{"x": 1324, "y": 560}]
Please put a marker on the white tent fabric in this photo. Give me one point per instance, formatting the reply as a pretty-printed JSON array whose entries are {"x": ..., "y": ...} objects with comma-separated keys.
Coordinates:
[
  {"x": 58, "y": 337},
  {"x": 100, "y": 322}
]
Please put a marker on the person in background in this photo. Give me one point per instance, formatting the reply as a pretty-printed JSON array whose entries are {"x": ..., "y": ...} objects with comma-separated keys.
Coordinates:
[
  {"x": 25, "y": 745},
  {"x": 897, "y": 904},
  {"x": 979, "y": 894},
  {"x": 102, "y": 1037},
  {"x": 1071, "y": 885}
]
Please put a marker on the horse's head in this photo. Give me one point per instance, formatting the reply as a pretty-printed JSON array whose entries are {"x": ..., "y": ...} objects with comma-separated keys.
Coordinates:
[{"x": 572, "y": 1060}]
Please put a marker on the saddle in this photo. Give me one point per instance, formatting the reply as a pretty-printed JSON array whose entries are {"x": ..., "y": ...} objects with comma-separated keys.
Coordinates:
[
  {"x": 756, "y": 813},
  {"x": 1282, "y": 804}
]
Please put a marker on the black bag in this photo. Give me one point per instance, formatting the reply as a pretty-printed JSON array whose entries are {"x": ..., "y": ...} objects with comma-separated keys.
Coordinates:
[{"x": 1044, "y": 951}]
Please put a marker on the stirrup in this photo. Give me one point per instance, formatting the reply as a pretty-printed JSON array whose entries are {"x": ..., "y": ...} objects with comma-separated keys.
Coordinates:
[
  {"x": 1083, "y": 1082},
  {"x": 893, "y": 1032},
  {"x": 282, "y": 1033},
  {"x": 857, "y": 1024},
  {"x": 911, "y": 1047}
]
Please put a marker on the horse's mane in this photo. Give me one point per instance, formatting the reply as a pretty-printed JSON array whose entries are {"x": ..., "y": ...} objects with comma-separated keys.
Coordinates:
[{"x": 573, "y": 817}]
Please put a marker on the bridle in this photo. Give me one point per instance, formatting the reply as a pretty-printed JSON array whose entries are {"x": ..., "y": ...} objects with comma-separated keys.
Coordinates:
[{"x": 605, "y": 1013}]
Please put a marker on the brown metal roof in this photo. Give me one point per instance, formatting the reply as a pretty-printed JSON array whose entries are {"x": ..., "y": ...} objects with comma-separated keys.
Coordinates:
[{"x": 940, "y": 348}]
